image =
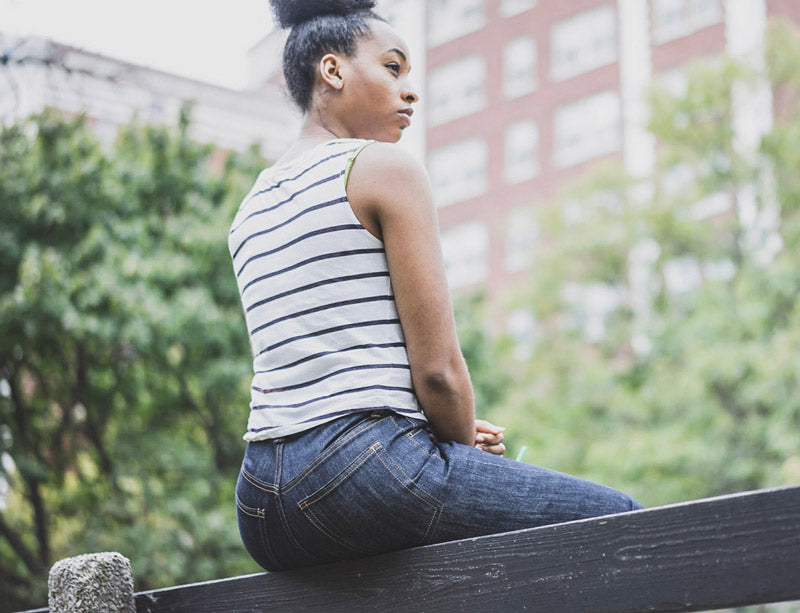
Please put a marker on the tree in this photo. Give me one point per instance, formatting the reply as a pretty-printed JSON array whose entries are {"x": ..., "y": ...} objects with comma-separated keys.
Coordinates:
[
  {"x": 483, "y": 354},
  {"x": 666, "y": 361},
  {"x": 124, "y": 361}
]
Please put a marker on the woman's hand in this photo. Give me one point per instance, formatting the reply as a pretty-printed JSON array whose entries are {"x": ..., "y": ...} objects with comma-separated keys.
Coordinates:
[{"x": 489, "y": 437}]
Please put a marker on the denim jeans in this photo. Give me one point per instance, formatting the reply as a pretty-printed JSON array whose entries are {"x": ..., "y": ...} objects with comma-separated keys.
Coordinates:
[{"x": 375, "y": 482}]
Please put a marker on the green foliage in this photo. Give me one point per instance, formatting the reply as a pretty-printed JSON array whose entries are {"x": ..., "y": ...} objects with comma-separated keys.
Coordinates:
[
  {"x": 485, "y": 358},
  {"x": 124, "y": 357},
  {"x": 685, "y": 384}
]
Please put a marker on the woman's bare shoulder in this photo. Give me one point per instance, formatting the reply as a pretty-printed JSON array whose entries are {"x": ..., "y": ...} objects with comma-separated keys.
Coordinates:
[
  {"x": 388, "y": 183},
  {"x": 384, "y": 165}
]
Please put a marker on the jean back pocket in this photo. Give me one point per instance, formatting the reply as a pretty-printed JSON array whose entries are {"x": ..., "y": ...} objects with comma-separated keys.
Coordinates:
[{"x": 371, "y": 506}]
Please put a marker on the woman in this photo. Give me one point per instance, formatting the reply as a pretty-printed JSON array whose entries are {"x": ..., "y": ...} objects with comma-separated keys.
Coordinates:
[{"x": 362, "y": 435}]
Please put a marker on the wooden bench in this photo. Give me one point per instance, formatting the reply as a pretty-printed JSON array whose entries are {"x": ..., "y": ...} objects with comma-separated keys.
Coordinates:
[{"x": 709, "y": 554}]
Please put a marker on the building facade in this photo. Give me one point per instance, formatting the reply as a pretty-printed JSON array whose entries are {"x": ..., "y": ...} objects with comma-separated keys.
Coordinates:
[
  {"x": 36, "y": 74},
  {"x": 522, "y": 96}
]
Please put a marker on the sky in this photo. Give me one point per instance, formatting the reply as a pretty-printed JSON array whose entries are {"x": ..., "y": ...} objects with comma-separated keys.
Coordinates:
[{"x": 201, "y": 39}]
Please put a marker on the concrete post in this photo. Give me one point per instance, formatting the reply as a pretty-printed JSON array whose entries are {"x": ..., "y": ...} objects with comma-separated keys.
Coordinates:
[{"x": 92, "y": 582}]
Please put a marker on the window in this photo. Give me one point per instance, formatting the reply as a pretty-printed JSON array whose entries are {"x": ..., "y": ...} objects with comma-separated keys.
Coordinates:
[
  {"x": 519, "y": 67},
  {"x": 588, "y": 128},
  {"x": 457, "y": 89},
  {"x": 675, "y": 18},
  {"x": 513, "y": 7},
  {"x": 522, "y": 235},
  {"x": 592, "y": 208},
  {"x": 521, "y": 151},
  {"x": 449, "y": 19},
  {"x": 458, "y": 170},
  {"x": 674, "y": 82},
  {"x": 584, "y": 42},
  {"x": 466, "y": 253}
]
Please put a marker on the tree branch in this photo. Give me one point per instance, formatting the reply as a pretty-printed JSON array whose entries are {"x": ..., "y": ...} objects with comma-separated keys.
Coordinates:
[
  {"x": 23, "y": 552},
  {"x": 40, "y": 521},
  {"x": 94, "y": 431},
  {"x": 34, "y": 494}
]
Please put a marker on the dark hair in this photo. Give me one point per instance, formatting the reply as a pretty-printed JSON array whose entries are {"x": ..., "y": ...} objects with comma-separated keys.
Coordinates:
[{"x": 318, "y": 27}]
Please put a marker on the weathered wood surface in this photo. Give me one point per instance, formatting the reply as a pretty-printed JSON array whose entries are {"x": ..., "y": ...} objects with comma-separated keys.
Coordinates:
[{"x": 697, "y": 556}]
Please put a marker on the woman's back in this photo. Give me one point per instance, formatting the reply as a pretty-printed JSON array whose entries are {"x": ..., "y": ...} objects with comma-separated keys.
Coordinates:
[{"x": 315, "y": 289}]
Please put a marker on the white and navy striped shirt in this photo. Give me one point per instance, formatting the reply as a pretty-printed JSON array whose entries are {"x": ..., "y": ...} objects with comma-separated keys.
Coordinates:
[{"x": 317, "y": 298}]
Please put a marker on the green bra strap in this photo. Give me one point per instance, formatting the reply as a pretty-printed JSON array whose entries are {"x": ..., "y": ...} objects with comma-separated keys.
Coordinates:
[{"x": 352, "y": 159}]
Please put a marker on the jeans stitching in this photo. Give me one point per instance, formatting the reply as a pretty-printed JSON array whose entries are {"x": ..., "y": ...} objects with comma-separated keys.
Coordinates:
[
  {"x": 355, "y": 431},
  {"x": 251, "y": 512},
  {"x": 422, "y": 447},
  {"x": 412, "y": 436},
  {"x": 261, "y": 522},
  {"x": 342, "y": 476},
  {"x": 276, "y": 479},
  {"x": 264, "y": 487},
  {"x": 304, "y": 505},
  {"x": 435, "y": 507},
  {"x": 281, "y": 511},
  {"x": 380, "y": 453},
  {"x": 385, "y": 454},
  {"x": 262, "y": 529}
]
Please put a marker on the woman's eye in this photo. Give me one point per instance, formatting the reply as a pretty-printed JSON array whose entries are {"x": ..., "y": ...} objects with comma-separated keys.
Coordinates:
[{"x": 395, "y": 68}]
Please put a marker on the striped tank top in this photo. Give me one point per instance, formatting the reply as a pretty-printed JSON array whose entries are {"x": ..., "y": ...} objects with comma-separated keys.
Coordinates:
[{"x": 317, "y": 298}]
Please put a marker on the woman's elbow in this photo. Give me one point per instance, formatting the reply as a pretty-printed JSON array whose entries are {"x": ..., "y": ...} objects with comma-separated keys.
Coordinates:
[
  {"x": 439, "y": 382},
  {"x": 445, "y": 379},
  {"x": 446, "y": 397}
]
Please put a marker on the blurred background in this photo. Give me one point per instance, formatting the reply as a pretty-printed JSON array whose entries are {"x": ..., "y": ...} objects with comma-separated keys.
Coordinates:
[{"x": 619, "y": 201}]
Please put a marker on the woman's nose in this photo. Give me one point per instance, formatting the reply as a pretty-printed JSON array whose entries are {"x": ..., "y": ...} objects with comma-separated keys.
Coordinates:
[{"x": 410, "y": 96}]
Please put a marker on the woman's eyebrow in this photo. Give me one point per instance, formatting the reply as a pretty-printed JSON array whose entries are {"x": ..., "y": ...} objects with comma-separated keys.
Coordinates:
[{"x": 398, "y": 52}]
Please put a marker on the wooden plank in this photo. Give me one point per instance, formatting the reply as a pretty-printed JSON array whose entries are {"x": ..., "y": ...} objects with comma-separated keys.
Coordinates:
[{"x": 709, "y": 554}]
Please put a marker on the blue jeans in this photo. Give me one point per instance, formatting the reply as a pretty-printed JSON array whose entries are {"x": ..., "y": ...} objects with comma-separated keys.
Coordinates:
[{"x": 375, "y": 482}]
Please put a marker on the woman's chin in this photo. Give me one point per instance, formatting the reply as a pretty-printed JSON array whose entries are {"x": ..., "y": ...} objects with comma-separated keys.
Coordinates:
[{"x": 396, "y": 136}]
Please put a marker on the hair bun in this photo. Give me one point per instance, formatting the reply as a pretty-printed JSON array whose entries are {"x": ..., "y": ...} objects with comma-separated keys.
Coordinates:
[{"x": 289, "y": 13}]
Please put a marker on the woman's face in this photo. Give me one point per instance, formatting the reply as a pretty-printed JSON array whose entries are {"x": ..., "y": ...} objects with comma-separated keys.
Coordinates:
[{"x": 376, "y": 94}]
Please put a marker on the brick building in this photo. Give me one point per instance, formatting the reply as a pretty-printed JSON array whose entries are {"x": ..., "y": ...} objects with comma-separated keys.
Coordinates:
[{"x": 522, "y": 96}]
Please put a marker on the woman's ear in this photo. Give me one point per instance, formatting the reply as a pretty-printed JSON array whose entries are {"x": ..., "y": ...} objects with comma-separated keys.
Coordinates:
[{"x": 330, "y": 71}]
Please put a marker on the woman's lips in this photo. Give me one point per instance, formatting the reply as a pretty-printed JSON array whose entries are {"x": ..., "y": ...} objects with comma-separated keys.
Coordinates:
[{"x": 405, "y": 115}]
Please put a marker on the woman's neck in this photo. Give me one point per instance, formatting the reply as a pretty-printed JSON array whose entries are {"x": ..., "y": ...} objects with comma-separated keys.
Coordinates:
[
  {"x": 312, "y": 133},
  {"x": 316, "y": 126}
]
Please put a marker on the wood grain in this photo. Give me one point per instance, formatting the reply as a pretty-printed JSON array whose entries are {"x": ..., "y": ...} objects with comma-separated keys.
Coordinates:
[{"x": 696, "y": 556}]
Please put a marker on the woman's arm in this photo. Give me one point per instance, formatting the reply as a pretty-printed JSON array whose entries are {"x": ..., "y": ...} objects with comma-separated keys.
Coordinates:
[{"x": 391, "y": 195}]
